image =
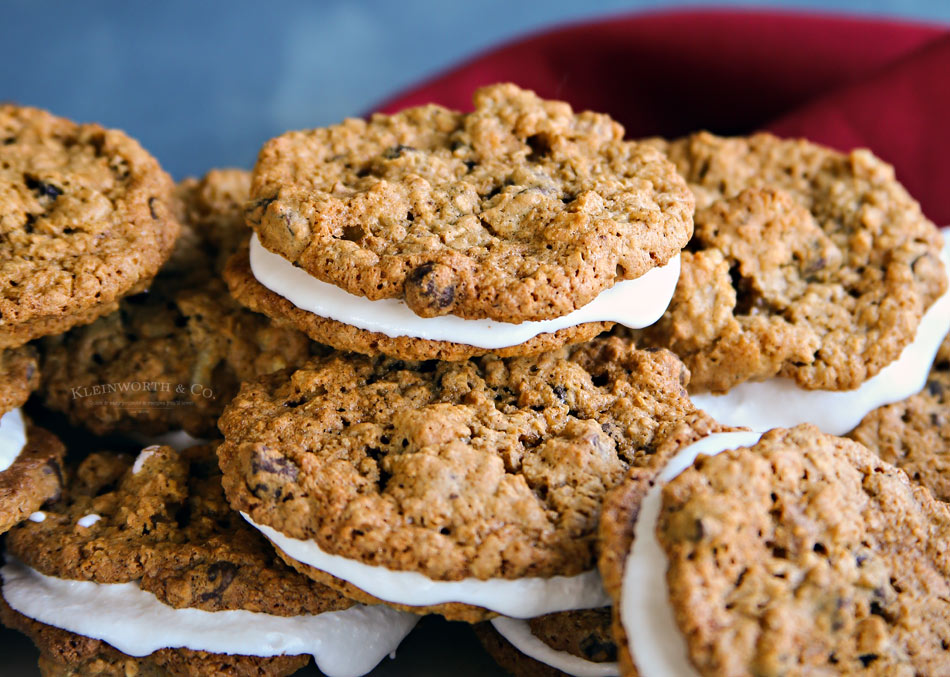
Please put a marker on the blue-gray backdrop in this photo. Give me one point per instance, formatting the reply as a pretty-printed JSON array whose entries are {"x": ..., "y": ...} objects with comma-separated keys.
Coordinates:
[{"x": 203, "y": 84}]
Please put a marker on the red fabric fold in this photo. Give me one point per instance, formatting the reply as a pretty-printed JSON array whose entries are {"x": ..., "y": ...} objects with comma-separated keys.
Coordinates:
[{"x": 841, "y": 81}]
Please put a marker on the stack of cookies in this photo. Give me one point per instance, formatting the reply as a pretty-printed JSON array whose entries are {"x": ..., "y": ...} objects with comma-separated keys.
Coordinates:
[{"x": 503, "y": 366}]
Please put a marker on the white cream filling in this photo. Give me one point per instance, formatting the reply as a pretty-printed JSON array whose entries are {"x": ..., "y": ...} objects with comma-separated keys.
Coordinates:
[
  {"x": 519, "y": 598},
  {"x": 344, "y": 643},
  {"x": 656, "y": 644},
  {"x": 178, "y": 440},
  {"x": 12, "y": 437},
  {"x": 87, "y": 521},
  {"x": 519, "y": 635},
  {"x": 633, "y": 303},
  {"x": 780, "y": 403},
  {"x": 143, "y": 457}
]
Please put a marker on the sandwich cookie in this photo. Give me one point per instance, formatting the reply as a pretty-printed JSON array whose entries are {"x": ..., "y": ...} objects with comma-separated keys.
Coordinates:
[
  {"x": 30, "y": 457},
  {"x": 792, "y": 552},
  {"x": 914, "y": 434},
  {"x": 813, "y": 290},
  {"x": 433, "y": 234},
  {"x": 575, "y": 643},
  {"x": 143, "y": 568},
  {"x": 86, "y": 219},
  {"x": 467, "y": 489},
  {"x": 171, "y": 358}
]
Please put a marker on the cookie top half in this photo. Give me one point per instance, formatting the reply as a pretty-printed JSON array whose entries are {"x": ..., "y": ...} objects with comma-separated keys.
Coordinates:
[
  {"x": 19, "y": 376},
  {"x": 521, "y": 210},
  {"x": 162, "y": 520},
  {"x": 85, "y": 218},
  {"x": 805, "y": 263},
  {"x": 490, "y": 468}
]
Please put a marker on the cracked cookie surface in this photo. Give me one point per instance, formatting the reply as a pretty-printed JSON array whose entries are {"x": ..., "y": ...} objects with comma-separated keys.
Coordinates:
[
  {"x": 520, "y": 210},
  {"x": 914, "y": 434},
  {"x": 805, "y": 263},
  {"x": 172, "y": 358},
  {"x": 85, "y": 219},
  {"x": 491, "y": 468}
]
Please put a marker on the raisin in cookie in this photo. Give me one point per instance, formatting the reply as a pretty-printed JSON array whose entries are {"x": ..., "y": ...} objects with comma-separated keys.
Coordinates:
[
  {"x": 805, "y": 263},
  {"x": 914, "y": 434},
  {"x": 450, "y": 475},
  {"x": 798, "y": 553},
  {"x": 86, "y": 219},
  {"x": 254, "y": 295},
  {"x": 162, "y": 527},
  {"x": 172, "y": 358}
]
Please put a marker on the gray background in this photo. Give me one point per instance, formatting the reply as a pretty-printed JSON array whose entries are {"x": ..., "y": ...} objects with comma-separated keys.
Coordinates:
[{"x": 203, "y": 84}]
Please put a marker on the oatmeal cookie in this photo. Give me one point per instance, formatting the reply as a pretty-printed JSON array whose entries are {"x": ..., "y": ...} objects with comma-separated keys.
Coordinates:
[
  {"x": 805, "y": 263},
  {"x": 491, "y": 468},
  {"x": 804, "y": 553},
  {"x": 19, "y": 376},
  {"x": 168, "y": 526},
  {"x": 915, "y": 434},
  {"x": 34, "y": 478},
  {"x": 520, "y": 210},
  {"x": 164, "y": 523},
  {"x": 173, "y": 357},
  {"x": 212, "y": 210},
  {"x": 85, "y": 219},
  {"x": 66, "y": 654}
]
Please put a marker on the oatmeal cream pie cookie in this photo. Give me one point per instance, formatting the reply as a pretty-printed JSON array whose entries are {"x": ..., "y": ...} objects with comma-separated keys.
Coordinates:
[
  {"x": 171, "y": 358},
  {"x": 30, "y": 457},
  {"x": 575, "y": 643},
  {"x": 813, "y": 290},
  {"x": 85, "y": 219},
  {"x": 914, "y": 434},
  {"x": 142, "y": 568},
  {"x": 794, "y": 552},
  {"x": 462, "y": 488},
  {"x": 433, "y": 234}
]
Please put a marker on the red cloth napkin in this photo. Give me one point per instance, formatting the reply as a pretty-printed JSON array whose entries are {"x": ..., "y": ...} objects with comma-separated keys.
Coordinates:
[{"x": 844, "y": 82}]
